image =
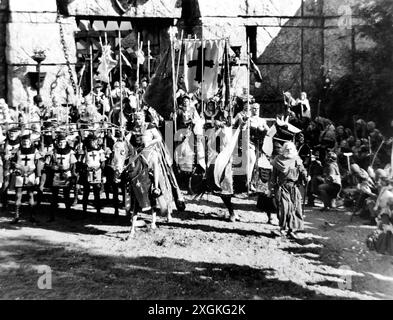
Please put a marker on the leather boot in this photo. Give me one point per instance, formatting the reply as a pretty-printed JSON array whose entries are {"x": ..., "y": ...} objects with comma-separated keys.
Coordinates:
[{"x": 16, "y": 216}]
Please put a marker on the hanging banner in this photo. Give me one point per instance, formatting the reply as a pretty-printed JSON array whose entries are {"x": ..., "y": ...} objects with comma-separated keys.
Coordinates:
[
  {"x": 107, "y": 63},
  {"x": 196, "y": 70}
]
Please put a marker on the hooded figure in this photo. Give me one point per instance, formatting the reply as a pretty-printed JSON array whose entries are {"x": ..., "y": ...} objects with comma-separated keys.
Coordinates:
[{"x": 288, "y": 169}]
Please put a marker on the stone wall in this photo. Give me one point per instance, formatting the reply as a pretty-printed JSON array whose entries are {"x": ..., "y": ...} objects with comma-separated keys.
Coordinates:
[
  {"x": 294, "y": 39},
  {"x": 33, "y": 26},
  {"x": 289, "y": 40}
]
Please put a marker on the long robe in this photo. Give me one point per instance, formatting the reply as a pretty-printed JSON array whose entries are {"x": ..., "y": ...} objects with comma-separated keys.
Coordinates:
[{"x": 286, "y": 173}]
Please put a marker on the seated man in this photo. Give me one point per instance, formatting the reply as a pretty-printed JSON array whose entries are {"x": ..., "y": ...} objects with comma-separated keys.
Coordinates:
[
  {"x": 329, "y": 190},
  {"x": 365, "y": 188}
]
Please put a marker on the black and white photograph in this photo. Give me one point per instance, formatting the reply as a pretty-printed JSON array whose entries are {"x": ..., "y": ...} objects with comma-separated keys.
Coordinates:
[{"x": 208, "y": 152}]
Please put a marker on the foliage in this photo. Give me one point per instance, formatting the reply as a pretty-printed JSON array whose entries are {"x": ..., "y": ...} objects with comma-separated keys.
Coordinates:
[{"x": 368, "y": 91}]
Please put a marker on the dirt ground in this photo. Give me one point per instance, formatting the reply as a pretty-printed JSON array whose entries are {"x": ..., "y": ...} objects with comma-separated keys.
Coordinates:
[{"x": 197, "y": 256}]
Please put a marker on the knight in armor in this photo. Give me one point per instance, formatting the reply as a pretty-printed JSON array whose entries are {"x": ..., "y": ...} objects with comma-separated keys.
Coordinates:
[
  {"x": 62, "y": 164},
  {"x": 189, "y": 135},
  {"x": 116, "y": 93},
  {"x": 92, "y": 177},
  {"x": 26, "y": 174},
  {"x": 79, "y": 154},
  {"x": 100, "y": 100},
  {"x": 219, "y": 174},
  {"x": 144, "y": 136},
  {"x": 11, "y": 146},
  {"x": 46, "y": 150}
]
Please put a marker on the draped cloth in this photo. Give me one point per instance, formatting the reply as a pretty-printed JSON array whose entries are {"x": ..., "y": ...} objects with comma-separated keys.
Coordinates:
[{"x": 286, "y": 172}]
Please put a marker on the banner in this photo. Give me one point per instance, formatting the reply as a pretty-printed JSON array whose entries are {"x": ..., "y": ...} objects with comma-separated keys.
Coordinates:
[
  {"x": 107, "y": 63},
  {"x": 195, "y": 69},
  {"x": 159, "y": 93}
]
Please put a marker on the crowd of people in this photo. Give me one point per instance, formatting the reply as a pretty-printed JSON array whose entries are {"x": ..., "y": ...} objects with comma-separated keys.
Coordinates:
[{"x": 113, "y": 141}]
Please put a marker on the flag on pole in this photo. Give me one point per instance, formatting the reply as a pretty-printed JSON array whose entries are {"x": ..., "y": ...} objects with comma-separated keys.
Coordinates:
[
  {"x": 159, "y": 93},
  {"x": 212, "y": 57},
  {"x": 107, "y": 63},
  {"x": 141, "y": 56},
  {"x": 126, "y": 60},
  {"x": 255, "y": 70}
]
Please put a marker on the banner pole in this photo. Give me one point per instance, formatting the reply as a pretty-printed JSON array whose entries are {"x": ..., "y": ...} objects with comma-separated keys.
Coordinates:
[
  {"x": 180, "y": 52},
  {"x": 172, "y": 36},
  {"x": 148, "y": 60},
  {"x": 248, "y": 117},
  {"x": 121, "y": 83},
  {"x": 203, "y": 57},
  {"x": 137, "y": 63},
  {"x": 228, "y": 98},
  {"x": 91, "y": 67}
]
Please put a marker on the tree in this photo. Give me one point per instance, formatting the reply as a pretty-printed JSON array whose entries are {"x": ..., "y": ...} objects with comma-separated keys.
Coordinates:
[{"x": 368, "y": 91}]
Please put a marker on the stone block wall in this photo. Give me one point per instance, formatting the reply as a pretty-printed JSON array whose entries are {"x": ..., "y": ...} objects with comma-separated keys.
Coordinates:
[
  {"x": 33, "y": 26},
  {"x": 294, "y": 38}
]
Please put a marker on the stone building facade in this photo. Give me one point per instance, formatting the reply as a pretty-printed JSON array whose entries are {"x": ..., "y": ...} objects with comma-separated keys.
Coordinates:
[{"x": 289, "y": 39}]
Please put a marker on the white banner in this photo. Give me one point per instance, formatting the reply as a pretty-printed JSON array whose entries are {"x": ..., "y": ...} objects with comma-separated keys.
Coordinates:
[{"x": 212, "y": 55}]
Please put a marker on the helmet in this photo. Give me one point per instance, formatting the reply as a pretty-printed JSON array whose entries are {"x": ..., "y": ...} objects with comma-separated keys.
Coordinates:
[
  {"x": 355, "y": 168},
  {"x": 331, "y": 157},
  {"x": 381, "y": 173}
]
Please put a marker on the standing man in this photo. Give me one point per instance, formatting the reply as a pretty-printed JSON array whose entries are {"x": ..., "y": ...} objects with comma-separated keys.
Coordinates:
[
  {"x": 305, "y": 109},
  {"x": 288, "y": 169},
  {"x": 11, "y": 146},
  {"x": 62, "y": 164},
  {"x": 258, "y": 129},
  {"x": 94, "y": 161},
  {"x": 27, "y": 175}
]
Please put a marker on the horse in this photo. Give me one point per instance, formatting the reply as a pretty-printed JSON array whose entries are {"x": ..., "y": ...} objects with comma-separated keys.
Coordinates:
[
  {"x": 139, "y": 188},
  {"x": 115, "y": 173}
]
